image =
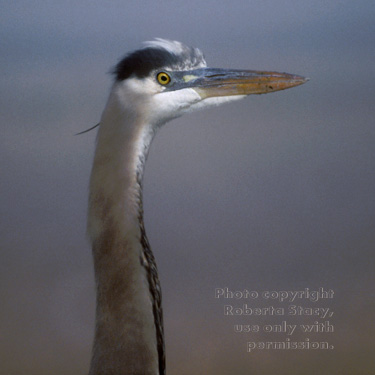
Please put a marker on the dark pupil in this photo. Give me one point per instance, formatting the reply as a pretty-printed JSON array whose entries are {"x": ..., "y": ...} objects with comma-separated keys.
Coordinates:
[{"x": 164, "y": 78}]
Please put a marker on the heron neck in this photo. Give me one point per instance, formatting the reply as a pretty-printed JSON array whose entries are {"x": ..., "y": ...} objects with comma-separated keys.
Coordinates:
[{"x": 127, "y": 332}]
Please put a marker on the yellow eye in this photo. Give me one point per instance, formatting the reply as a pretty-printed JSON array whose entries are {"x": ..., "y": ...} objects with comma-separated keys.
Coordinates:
[{"x": 163, "y": 78}]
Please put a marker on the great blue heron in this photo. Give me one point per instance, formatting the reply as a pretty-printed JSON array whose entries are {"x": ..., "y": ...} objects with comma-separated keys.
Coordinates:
[{"x": 153, "y": 85}]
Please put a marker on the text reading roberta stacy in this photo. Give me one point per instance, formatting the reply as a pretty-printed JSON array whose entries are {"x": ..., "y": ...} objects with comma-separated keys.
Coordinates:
[{"x": 301, "y": 317}]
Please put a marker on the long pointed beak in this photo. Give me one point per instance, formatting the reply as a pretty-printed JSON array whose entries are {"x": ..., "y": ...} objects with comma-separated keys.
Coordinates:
[{"x": 208, "y": 82}]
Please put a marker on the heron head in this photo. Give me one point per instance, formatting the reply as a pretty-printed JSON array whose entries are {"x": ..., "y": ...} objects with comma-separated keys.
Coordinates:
[{"x": 166, "y": 79}]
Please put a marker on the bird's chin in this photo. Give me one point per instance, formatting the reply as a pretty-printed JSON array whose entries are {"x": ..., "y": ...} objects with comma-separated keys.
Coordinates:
[
  {"x": 173, "y": 104},
  {"x": 177, "y": 103}
]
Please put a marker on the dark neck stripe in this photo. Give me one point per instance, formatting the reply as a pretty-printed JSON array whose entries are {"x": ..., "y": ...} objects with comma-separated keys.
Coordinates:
[{"x": 149, "y": 263}]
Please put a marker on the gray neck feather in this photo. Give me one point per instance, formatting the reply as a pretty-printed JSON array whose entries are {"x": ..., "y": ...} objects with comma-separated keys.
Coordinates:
[{"x": 129, "y": 328}]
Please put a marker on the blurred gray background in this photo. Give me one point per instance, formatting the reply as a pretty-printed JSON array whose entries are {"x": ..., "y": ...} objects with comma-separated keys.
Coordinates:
[{"x": 274, "y": 192}]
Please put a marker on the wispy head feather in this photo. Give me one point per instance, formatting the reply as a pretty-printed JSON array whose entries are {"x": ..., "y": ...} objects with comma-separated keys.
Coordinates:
[{"x": 159, "y": 54}]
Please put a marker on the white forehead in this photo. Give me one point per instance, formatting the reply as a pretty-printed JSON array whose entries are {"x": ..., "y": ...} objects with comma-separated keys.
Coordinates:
[
  {"x": 193, "y": 56},
  {"x": 172, "y": 46}
]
